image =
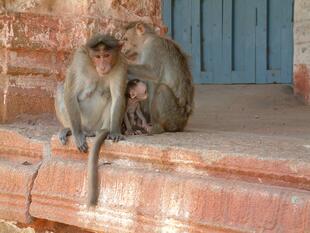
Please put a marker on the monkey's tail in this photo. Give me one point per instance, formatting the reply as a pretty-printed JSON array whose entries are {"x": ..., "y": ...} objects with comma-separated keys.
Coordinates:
[{"x": 92, "y": 176}]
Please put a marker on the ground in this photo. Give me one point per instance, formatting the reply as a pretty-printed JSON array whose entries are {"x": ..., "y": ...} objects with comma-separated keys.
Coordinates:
[
  {"x": 246, "y": 142},
  {"x": 229, "y": 118}
]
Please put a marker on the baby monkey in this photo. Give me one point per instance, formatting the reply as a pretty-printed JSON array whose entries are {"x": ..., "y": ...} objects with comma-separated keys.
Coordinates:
[{"x": 135, "y": 122}]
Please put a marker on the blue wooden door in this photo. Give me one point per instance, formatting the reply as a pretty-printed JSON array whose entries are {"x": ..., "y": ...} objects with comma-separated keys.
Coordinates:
[{"x": 234, "y": 41}]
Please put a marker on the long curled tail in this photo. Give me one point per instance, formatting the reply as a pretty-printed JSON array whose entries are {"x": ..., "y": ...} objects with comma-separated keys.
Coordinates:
[{"x": 92, "y": 169}]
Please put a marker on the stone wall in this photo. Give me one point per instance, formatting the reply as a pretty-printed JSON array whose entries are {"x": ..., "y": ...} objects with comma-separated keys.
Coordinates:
[
  {"x": 38, "y": 36},
  {"x": 302, "y": 49}
]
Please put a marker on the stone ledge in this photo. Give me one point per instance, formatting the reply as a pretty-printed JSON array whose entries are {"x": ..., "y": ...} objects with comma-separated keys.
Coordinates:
[
  {"x": 18, "y": 148},
  {"x": 135, "y": 198},
  {"x": 285, "y": 172},
  {"x": 159, "y": 183}
]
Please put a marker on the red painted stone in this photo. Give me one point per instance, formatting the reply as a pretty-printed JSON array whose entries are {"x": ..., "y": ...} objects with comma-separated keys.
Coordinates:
[
  {"x": 17, "y": 148},
  {"x": 287, "y": 173},
  {"x": 15, "y": 185},
  {"x": 133, "y": 197},
  {"x": 302, "y": 82}
]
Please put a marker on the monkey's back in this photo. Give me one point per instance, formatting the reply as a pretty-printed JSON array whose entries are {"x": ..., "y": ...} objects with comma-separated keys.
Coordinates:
[{"x": 171, "y": 64}]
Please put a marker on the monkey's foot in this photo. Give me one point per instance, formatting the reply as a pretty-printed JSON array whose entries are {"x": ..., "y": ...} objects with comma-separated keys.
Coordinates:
[
  {"x": 115, "y": 137},
  {"x": 129, "y": 132},
  {"x": 156, "y": 129},
  {"x": 63, "y": 135},
  {"x": 80, "y": 142}
]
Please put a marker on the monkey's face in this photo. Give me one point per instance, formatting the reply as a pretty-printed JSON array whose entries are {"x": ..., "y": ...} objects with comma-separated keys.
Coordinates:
[
  {"x": 139, "y": 92},
  {"x": 104, "y": 60},
  {"x": 133, "y": 41}
]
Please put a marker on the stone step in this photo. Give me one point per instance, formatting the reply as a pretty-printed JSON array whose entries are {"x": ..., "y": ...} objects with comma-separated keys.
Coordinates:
[
  {"x": 160, "y": 183},
  {"x": 133, "y": 198}
]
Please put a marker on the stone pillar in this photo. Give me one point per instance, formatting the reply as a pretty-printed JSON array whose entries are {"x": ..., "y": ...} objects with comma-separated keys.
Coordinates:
[
  {"x": 38, "y": 36},
  {"x": 302, "y": 50}
]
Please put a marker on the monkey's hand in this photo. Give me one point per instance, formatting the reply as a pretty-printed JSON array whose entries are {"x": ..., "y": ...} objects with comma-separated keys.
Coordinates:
[
  {"x": 147, "y": 128},
  {"x": 80, "y": 141},
  {"x": 129, "y": 132},
  {"x": 116, "y": 137}
]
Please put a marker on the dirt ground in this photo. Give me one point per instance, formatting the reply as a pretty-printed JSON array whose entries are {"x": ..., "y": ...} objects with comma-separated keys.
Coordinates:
[{"x": 264, "y": 121}]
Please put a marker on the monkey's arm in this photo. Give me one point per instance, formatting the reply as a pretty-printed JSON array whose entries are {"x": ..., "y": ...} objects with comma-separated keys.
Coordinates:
[
  {"x": 127, "y": 123},
  {"x": 144, "y": 72},
  {"x": 141, "y": 116},
  {"x": 73, "y": 111},
  {"x": 117, "y": 88}
]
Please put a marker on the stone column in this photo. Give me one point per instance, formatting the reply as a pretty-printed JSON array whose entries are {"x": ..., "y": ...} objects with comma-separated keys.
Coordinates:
[{"x": 302, "y": 50}]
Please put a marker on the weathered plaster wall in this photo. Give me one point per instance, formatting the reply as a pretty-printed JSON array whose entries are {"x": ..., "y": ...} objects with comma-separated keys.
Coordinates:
[
  {"x": 38, "y": 36},
  {"x": 302, "y": 49}
]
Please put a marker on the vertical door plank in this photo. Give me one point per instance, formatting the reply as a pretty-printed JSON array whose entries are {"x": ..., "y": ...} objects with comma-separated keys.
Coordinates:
[
  {"x": 249, "y": 58},
  {"x": 181, "y": 19},
  {"x": 238, "y": 40},
  {"x": 217, "y": 41},
  {"x": 275, "y": 18},
  {"x": 227, "y": 40},
  {"x": 261, "y": 42},
  {"x": 167, "y": 14},
  {"x": 287, "y": 42},
  {"x": 196, "y": 41}
]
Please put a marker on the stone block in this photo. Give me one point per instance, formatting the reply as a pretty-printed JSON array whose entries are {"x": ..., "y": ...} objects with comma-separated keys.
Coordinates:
[
  {"x": 28, "y": 94},
  {"x": 302, "y": 53},
  {"x": 302, "y": 82},
  {"x": 47, "y": 7},
  {"x": 288, "y": 173},
  {"x": 301, "y": 32},
  {"x": 34, "y": 31},
  {"x": 302, "y": 10},
  {"x": 31, "y": 62},
  {"x": 135, "y": 199},
  {"x": 20, "y": 149},
  {"x": 15, "y": 185}
]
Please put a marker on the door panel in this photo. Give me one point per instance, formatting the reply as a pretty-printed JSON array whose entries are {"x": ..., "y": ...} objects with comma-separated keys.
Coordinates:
[
  {"x": 243, "y": 22},
  {"x": 181, "y": 29},
  {"x": 234, "y": 41}
]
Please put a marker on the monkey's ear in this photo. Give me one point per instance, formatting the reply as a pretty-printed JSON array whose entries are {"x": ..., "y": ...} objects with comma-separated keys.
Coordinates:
[{"x": 140, "y": 29}]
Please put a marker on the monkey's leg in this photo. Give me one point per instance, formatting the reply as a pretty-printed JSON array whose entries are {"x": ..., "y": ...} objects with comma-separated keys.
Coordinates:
[
  {"x": 165, "y": 112},
  {"x": 63, "y": 135},
  {"x": 88, "y": 133}
]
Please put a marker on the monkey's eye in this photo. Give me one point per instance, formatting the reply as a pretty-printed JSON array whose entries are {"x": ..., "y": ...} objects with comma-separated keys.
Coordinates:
[
  {"x": 106, "y": 55},
  {"x": 98, "y": 56}
]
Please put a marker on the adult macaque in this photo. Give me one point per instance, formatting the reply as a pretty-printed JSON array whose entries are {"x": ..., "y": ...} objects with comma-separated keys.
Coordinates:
[
  {"x": 162, "y": 61},
  {"x": 134, "y": 119},
  {"x": 92, "y": 100}
]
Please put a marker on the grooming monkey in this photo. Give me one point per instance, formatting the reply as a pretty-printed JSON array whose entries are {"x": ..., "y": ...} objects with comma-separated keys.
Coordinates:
[
  {"x": 161, "y": 61},
  {"x": 134, "y": 119},
  {"x": 92, "y": 100}
]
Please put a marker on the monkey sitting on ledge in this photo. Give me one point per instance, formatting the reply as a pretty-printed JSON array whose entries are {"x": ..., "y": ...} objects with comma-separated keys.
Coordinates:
[
  {"x": 134, "y": 120},
  {"x": 92, "y": 100},
  {"x": 163, "y": 64}
]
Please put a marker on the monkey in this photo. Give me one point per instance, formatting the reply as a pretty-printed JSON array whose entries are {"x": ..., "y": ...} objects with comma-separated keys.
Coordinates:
[
  {"x": 164, "y": 66},
  {"x": 91, "y": 102},
  {"x": 134, "y": 120}
]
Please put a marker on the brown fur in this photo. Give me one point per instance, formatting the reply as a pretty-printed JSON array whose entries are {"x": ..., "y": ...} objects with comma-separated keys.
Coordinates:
[
  {"x": 164, "y": 64},
  {"x": 90, "y": 104}
]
